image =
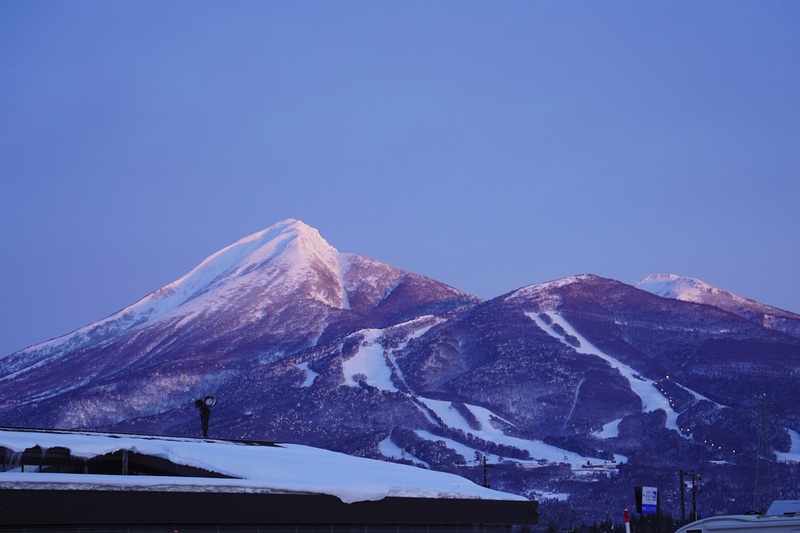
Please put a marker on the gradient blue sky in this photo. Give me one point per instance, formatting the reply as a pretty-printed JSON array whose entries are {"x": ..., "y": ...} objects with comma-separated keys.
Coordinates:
[{"x": 488, "y": 145}]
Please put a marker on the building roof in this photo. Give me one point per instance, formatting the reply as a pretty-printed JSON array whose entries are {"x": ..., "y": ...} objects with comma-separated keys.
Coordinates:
[
  {"x": 247, "y": 466},
  {"x": 88, "y": 478}
]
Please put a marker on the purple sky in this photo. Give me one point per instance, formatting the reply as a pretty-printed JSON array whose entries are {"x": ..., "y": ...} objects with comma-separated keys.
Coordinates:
[{"x": 489, "y": 145}]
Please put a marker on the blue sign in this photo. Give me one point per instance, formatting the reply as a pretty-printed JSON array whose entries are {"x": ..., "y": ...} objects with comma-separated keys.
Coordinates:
[{"x": 649, "y": 500}]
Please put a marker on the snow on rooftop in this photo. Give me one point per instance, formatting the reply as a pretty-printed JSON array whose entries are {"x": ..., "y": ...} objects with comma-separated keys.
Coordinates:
[{"x": 285, "y": 468}]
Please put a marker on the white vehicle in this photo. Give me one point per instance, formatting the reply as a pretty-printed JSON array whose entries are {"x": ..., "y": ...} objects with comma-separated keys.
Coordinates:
[
  {"x": 783, "y": 516},
  {"x": 744, "y": 523}
]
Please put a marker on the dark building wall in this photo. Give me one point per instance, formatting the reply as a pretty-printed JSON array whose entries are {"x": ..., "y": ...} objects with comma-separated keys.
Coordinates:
[{"x": 96, "y": 510}]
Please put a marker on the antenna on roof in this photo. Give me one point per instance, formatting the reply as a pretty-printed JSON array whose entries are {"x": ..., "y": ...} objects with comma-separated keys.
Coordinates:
[{"x": 205, "y": 405}]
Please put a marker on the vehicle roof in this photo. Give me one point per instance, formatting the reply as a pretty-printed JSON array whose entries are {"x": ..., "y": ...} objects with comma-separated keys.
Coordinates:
[{"x": 741, "y": 522}]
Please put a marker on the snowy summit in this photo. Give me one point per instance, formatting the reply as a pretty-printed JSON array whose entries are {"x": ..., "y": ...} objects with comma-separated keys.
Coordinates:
[{"x": 682, "y": 288}]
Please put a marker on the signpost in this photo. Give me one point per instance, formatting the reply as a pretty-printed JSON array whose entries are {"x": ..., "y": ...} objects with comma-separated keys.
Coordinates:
[
  {"x": 647, "y": 503},
  {"x": 649, "y": 500},
  {"x": 646, "y": 500}
]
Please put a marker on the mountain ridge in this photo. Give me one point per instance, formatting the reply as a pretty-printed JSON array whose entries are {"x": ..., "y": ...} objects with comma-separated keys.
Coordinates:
[{"x": 303, "y": 343}]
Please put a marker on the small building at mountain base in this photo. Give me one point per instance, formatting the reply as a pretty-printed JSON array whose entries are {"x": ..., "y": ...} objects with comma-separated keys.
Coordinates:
[{"x": 70, "y": 482}]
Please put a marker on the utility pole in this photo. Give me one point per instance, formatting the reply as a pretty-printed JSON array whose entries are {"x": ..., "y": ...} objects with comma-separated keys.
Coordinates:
[
  {"x": 683, "y": 498},
  {"x": 480, "y": 458},
  {"x": 763, "y": 450},
  {"x": 695, "y": 489},
  {"x": 485, "y": 475},
  {"x": 695, "y": 477}
]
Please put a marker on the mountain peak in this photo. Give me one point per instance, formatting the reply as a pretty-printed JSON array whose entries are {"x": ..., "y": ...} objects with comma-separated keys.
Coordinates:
[
  {"x": 273, "y": 241},
  {"x": 696, "y": 291},
  {"x": 678, "y": 287},
  {"x": 287, "y": 227},
  {"x": 290, "y": 241},
  {"x": 290, "y": 245},
  {"x": 554, "y": 284}
]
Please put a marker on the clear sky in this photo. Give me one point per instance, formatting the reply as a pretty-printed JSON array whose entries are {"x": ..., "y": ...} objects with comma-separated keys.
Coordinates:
[{"x": 488, "y": 145}]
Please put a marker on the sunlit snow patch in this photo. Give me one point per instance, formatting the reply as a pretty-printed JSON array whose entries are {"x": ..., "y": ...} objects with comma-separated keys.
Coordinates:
[
  {"x": 793, "y": 455},
  {"x": 310, "y": 375},
  {"x": 369, "y": 364},
  {"x": 373, "y": 364},
  {"x": 609, "y": 431}
]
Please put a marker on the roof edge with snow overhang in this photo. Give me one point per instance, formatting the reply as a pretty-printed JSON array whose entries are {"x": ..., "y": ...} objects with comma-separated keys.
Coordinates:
[{"x": 89, "y": 478}]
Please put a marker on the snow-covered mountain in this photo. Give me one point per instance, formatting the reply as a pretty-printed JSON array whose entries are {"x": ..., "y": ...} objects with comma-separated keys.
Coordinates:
[
  {"x": 693, "y": 290},
  {"x": 270, "y": 294},
  {"x": 558, "y": 382}
]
